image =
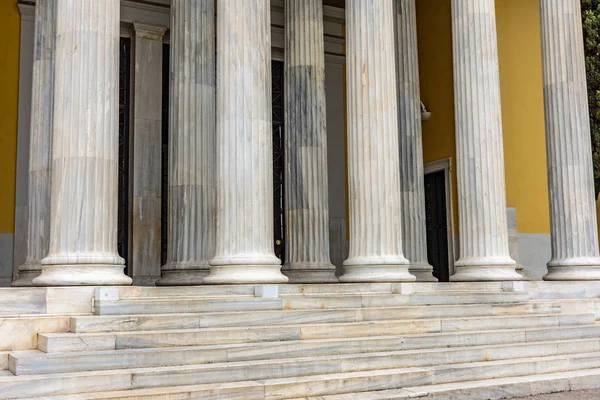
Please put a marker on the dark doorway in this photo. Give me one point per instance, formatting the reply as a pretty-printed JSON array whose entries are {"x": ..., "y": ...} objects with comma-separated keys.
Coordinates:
[
  {"x": 437, "y": 224},
  {"x": 124, "y": 125},
  {"x": 278, "y": 159}
]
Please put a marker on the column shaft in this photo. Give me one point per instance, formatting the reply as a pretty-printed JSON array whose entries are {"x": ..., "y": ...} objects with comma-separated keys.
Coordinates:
[
  {"x": 40, "y": 147},
  {"x": 192, "y": 141},
  {"x": 412, "y": 177},
  {"x": 244, "y": 249},
  {"x": 373, "y": 162},
  {"x": 306, "y": 187},
  {"x": 83, "y": 224},
  {"x": 570, "y": 172},
  {"x": 484, "y": 253},
  {"x": 147, "y": 153}
]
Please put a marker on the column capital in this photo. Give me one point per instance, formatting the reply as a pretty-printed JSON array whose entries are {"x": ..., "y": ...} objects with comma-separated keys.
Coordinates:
[
  {"x": 146, "y": 31},
  {"x": 27, "y": 11}
]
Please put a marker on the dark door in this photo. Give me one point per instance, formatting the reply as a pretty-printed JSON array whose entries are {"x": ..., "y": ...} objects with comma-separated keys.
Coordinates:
[
  {"x": 124, "y": 113},
  {"x": 437, "y": 224},
  {"x": 278, "y": 160}
]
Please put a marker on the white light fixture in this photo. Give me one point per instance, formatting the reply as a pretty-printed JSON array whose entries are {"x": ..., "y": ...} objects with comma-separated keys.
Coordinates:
[{"x": 425, "y": 115}]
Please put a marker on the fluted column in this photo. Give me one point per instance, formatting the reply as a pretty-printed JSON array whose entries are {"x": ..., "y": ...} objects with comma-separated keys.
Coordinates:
[
  {"x": 244, "y": 249},
  {"x": 192, "y": 197},
  {"x": 412, "y": 182},
  {"x": 484, "y": 253},
  {"x": 306, "y": 187},
  {"x": 574, "y": 233},
  {"x": 38, "y": 225},
  {"x": 83, "y": 223},
  {"x": 373, "y": 163}
]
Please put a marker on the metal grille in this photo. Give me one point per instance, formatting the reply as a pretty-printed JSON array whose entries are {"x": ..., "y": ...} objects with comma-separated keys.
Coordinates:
[
  {"x": 124, "y": 124},
  {"x": 278, "y": 159}
]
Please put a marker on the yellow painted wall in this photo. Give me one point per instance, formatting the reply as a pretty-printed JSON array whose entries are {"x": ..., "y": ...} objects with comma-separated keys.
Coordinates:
[
  {"x": 10, "y": 25},
  {"x": 437, "y": 84},
  {"x": 520, "y": 55},
  {"x": 522, "y": 102}
]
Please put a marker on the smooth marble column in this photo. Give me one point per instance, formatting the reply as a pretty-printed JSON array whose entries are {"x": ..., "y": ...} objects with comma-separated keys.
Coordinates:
[
  {"x": 38, "y": 226},
  {"x": 306, "y": 186},
  {"x": 412, "y": 182},
  {"x": 244, "y": 249},
  {"x": 192, "y": 159},
  {"x": 373, "y": 162},
  {"x": 574, "y": 234},
  {"x": 83, "y": 218},
  {"x": 147, "y": 153},
  {"x": 484, "y": 252}
]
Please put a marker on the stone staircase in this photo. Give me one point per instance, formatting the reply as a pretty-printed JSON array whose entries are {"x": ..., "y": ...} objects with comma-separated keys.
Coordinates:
[{"x": 329, "y": 342}]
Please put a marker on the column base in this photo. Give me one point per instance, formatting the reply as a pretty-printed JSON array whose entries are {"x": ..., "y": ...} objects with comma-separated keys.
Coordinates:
[
  {"x": 423, "y": 272},
  {"x": 145, "y": 280},
  {"x": 574, "y": 270},
  {"x": 27, "y": 273},
  {"x": 369, "y": 273},
  {"x": 183, "y": 277},
  {"x": 521, "y": 271},
  {"x": 242, "y": 274},
  {"x": 245, "y": 269},
  {"x": 82, "y": 275},
  {"x": 483, "y": 273},
  {"x": 25, "y": 278},
  {"x": 310, "y": 272}
]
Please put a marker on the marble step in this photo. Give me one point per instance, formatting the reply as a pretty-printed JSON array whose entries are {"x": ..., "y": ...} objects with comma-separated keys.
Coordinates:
[
  {"x": 4, "y": 360},
  {"x": 110, "y": 323},
  {"x": 490, "y": 389},
  {"x": 345, "y": 288},
  {"x": 20, "y": 333},
  {"x": 37, "y": 362},
  {"x": 184, "y": 305},
  {"x": 296, "y": 380},
  {"x": 412, "y": 336},
  {"x": 300, "y": 348},
  {"x": 298, "y": 302},
  {"x": 466, "y": 297}
]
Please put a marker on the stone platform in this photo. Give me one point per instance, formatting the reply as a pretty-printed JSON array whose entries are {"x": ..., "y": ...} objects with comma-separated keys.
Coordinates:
[{"x": 329, "y": 342}]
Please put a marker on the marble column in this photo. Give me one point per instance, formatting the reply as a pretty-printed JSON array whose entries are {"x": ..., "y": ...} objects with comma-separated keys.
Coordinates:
[
  {"x": 373, "y": 162},
  {"x": 306, "y": 186},
  {"x": 147, "y": 153},
  {"x": 38, "y": 226},
  {"x": 412, "y": 182},
  {"x": 244, "y": 247},
  {"x": 484, "y": 252},
  {"x": 192, "y": 188},
  {"x": 574, "y": 234},
  {"x": 83, "y": 217}
]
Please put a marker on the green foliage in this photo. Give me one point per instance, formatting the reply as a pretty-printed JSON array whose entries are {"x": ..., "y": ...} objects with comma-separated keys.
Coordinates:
[{"x": 590, "y": 12}]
